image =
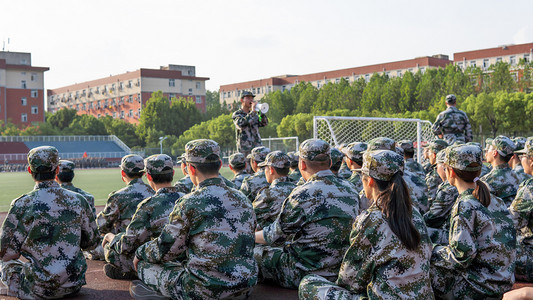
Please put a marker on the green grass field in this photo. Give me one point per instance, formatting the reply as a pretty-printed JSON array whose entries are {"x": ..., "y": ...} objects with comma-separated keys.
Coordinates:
[{"x": 99, "y": 182}]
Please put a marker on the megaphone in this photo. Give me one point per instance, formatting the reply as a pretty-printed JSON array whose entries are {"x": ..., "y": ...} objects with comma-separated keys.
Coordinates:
[{"x": 262, "y": 107}]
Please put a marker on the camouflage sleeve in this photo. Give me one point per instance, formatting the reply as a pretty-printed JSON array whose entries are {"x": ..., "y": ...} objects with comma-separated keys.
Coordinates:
[
  {"x": 109, "y": 216},
  {"x": 243, "y": 120},
  {"x": 522, "y": 208},
  {"x": 89, "y": 229},
  {"x": 437, "y": 126},
  {"x": 440, "y": 208},
  {"x": 468, "y": 129},
  {"x": 245, "y": 187},
  {"x": 14, "y": 231},
  {"x": 289, "y": 221},
  {"x": 262, "y": 209},
  {"x": 137, "y": 232},
  {"x": 264, "y": 120}
]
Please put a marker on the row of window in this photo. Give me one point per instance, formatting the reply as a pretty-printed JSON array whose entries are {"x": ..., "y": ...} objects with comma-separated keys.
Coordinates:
[
  {"x": 197, "y": 98},
  {"x": 129, "y": 98},
  {"x": 121, "y": 114},
  {"x": 24, "y": 116},
  {"x": 172, "y": 83},
  {"x": 486, "y": 62}
]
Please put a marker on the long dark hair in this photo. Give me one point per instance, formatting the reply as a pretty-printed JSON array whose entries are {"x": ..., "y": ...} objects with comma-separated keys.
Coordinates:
[
  {"x": 395, "y": 203},
  {"x": 482, "y": 192}
]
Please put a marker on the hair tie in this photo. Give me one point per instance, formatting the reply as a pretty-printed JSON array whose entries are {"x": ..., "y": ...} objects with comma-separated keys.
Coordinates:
[{"x": 476, "y": 179}]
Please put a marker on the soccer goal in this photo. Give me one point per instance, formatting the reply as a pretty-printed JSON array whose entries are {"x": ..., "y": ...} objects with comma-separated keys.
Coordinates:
[
  {"x": 285, "y": 144},
  {"x": 344, "y": 130}
]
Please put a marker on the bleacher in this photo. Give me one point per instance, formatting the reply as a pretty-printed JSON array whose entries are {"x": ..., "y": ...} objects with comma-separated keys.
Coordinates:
[{"x": 76, "y": 147}]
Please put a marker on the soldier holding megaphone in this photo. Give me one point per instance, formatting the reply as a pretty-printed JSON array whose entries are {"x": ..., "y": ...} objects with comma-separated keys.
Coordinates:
[{"x": 247, "y": 121}]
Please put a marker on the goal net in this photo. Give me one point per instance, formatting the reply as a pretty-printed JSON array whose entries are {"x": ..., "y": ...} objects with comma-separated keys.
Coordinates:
[
  {"x": 344, "y": 130},
  {"x": 285, "y": 144}
]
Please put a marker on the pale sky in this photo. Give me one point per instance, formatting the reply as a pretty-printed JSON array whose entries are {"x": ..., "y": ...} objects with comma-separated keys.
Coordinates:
[{"x": 233, "y": 41}]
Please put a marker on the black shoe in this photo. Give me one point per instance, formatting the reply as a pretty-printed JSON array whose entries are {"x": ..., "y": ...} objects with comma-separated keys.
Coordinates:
[
  {"x": 139, "y": 290},
  {"x": 115, "y": 273}
]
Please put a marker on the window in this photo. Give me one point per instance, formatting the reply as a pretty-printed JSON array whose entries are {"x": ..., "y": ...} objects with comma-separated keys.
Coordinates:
[
  {"x": 24, "y": 117},
  {"x": 526, "y": 57},
  {"x": 499, "y": 59},
  {"x": 170, "y": 96},
  {"x": 410, "y": 70},
  {"x": 84, "y": 107},
  {"x": 23, "y": 84},
  {"x": 34, "y": 93},
  {"x": 473, "y": 63},
  {"x": 512, "y": 60},
  {"x": 139, "y": 112},
  {"x": 23, "y": 101},
  {"x": 130, "y": 99},
  {"x": 171, "y": 82},
  {"x": 190, "y": 72},
  {"x": 190, "y": 92},
  {"x": 34, "y": 110},
  {"x": 114, "y": 115},
  {"x": 422, "y": 70},
  {"x": 129, "y": 84},
  {"x": 198, "y": 100},
  {"x": 130, "y": 114},
  {"x": 460, "y": 65},
  {"x": 399, "y": 73},
  {"x": 33, "y": 76},
  {"x": 99, "y": 115},
  {"x": 337, "y": 80},
  {"x": 122, "y": 114},
  {"x": 121, "y": 86},
  {"x": 283, "y": 88},
  {"x": 198, "y": 85},
  {"x": 77, "y": 107},
  {"x": 367, "y": 77},
  {"x": 387, "y": 74}
]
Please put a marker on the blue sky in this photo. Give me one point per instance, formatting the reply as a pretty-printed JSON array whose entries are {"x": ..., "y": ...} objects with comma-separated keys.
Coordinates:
[{"x": 233, "y": 41}]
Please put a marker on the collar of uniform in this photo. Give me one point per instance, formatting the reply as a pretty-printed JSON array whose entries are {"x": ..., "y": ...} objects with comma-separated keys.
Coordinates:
[
  {"x": 134, "y": 181},
  {"x": 468, "y": 192},
  {"x": 502, "y": 166},
  {"x": 211, "y": 181},
  {"x": 409, "y": 159},
  {"x": 281, "y": 179},
  {"x": 46, "y": 184},
  {"x": 66, "y": 184},
  {"x": 320, "y": 174},
  {"x": 166, "y": 190},
  {"x": 243, "y": 172}
]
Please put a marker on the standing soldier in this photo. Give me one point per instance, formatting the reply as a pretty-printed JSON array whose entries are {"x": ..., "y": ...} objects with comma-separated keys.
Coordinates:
[
  {"x": 252, "y": 184},
  {"x": 64, "y": 178},
  {"x": 452, "y": 125},
  {"x": 237, "y": 164},
  {"x": 247, "y": 122},
  {"x": 49, "y": 227}
]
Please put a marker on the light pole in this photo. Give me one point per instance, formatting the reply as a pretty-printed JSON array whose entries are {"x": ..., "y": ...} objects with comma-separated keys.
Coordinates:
[{"x": 161, "y": 139}]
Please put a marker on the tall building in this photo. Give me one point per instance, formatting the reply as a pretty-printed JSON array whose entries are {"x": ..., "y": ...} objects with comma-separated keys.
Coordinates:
[
  {"x": 21, "y": 89},
  {"x": 484, "y": 58},
  {"x": 123, "y": 96},
  {"x": 230, "y": 93}
]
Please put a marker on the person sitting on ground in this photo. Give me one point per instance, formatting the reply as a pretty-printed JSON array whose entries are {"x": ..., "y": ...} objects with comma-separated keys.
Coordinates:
[
  {"x": 147, "y": 222},
  {"x": 205, "y": 251},
  {"x": 185, "y": 184},
  {"x": 389, "y": 251},
  {"x": 49, "y": 227},
  {"x": 502, "y": 180},
  {"x": 408, "y": 154},
  {"x": 433, "y": 179},
  {"x": 267, "y": 204},
  {"x": 416, "y": 185},
  {"x": 515, "y": 163},
  {"x": 478, "y": 262},
  {"x": 353, "y": 156},
  {"x": 344, "y": 172},
  {"x": 251, "y": 185},
  {"x": 294, "y": 174},
  {"x": 314, "y": 223},
  {"x": 337, "y": 158},
  {"x": 237, "y": 165},
  {"x": 64, "y": 178}
]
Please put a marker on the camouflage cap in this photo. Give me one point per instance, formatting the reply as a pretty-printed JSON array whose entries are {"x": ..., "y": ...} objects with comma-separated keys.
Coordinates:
[
  {"x": 488, "y": 142},
  {"x": 293, "y": 156},
  {"x": 441, "y": 156},
  {"x": 315, "y": 150},
  {"x": 44, "y": 158},
  {"x": 528, "y": 147},
  {"x": 180, "y": 159},
  {"x": 66, "y": 166},
  {"x": 158, "y": 164},
  {"x": 381, "y": 164},
  {"x": 381, "y": 143},
  {"x": 237, "y": 160},
  {"x": 336, "y": 156},
  {"x": 437, "y": 145},
  {"x": 276, "y": 159},
  {"x": 503, "y": 145},
  {"x": 258, "y": 154},
  {"x": 247, "y": 93},
  {"x": 202, "y": 151},
  {"x": 407, "y": 145},
  {"x": 461, "y": 156},
  {"x": 354, "y": 151},
  {"x": 132, "y": 163},
  {"x": 399, "y": 151},
  {"x": 519, "y": 143}
]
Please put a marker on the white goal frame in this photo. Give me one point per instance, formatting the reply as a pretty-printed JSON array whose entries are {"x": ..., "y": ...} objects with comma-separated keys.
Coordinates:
[{"x": 267, "y": 142}]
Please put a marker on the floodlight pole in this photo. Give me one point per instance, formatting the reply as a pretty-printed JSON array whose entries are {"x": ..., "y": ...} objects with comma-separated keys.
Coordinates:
[{"x": 161, "y": 139}]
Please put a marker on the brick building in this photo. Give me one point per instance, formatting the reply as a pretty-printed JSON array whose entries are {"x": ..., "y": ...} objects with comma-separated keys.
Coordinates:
[
  {"x": 484, "y": 58},
  {"x": 123, "y": 96},
  {"x": 21, "y": 89}
]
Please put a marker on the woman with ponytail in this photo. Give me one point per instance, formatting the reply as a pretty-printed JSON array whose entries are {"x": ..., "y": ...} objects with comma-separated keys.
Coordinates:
[
  {"x": 478, "y": 262},
  {"x": 389, "y": 249}
]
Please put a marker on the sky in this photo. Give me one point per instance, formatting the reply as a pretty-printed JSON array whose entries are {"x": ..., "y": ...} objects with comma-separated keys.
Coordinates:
[{"x": 236, "y": 40}]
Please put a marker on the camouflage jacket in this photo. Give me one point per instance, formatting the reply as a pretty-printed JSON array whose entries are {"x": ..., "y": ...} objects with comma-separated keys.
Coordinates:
[
  {"x": 267, "y": 204},
  {"x": 148, "y": 221},
  {"x": 485, "y": 170},
  {"x": 252, "y": 184},
  {"x": 519, "y": 171},
  {"x": 295, "y": 175},
  {"x": 427, "y": 167},
  {"x": 413, "y": 166},
  {"x": 50, "y": 226},
  {"x": 315, "y": 221},
  {"x": 211, "y": 233},
  {"x": 482, "y": 245},
  {"x": 121, "y": 206},
  {"x": 344, "y": 172},
  {"x": 433, "y": 181},
  {"x": 417, "y": 190},
  {"x": 522, "y": 213},
  {"x": 379, "y": 266},
  {"x": 184, "y": 185},
  {"x": 438, "y": 215},
  {"x": 355, "y": 179},
  {"x": 90, "y": 198},
  {"x": 454, "y": 125},
  {"x": 503, "y": 182},
  {"x": 247, "y": 129},
  {"x": 239, "y": 178}
]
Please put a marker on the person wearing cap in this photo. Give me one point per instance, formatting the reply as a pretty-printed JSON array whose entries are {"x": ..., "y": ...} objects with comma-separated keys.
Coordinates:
[
  {"x": 515, "y": 163},
  {"x": 205, "y": 251},
  {"x": 147, "y": 221},
  {"x": 184, "y": 185},
  {"x": 408, "y": 154},
  {"x": 121, "y": 204},
  {"x": 389, "y": 251},
  {"x": 252, "y": 184},
  {"x": 344, "y": 172},
  {"x": 337, "y": 158},
  {"x": 354, "y": 160},
  {"x": 452, "y": 124},
  {"x": 267, "y": 204},
  {"x": 313, "y": 224},
  {"x": 433, "y": 179},
  {"x": 247, "y": 122},
  {"x": 294, "y": 174},
  {"x": 425, "y": 159},
  {"x": 501, "y": 180},
  {"x": 64, "y": 178},
  {"x": 437, "y": 218},
  {"x": 521, "y": 212},
  {"x": 49, "y": 227},
  {"x": 478, "y": 261},
  {"x": 237, "y": 164}
]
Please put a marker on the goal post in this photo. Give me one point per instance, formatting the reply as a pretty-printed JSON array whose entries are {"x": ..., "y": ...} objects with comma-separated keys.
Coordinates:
[
  {"x": 344, "y": 130},
  {"x": 285, "y": 144}
]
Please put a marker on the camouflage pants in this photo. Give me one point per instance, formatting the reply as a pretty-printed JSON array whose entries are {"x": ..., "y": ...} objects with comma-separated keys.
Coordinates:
[
  {"x": 524, "y": 263},
  {"x": 451, "y": 138},
  {"x": 124, "y": 262},
  {"x": 13, "y": 275},
  {"x": 97, "y": 253},
  {"x": 319, "y": 288},
  {"x": 438, "y": 235},
  {"x": 162, "y": 278},
  {"x": 448, "y": 284}
]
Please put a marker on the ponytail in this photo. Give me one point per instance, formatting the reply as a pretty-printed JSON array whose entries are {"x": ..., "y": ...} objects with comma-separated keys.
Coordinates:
[
  {"x": 395, "y": 203},
  {"x": 481, "y": 192}
]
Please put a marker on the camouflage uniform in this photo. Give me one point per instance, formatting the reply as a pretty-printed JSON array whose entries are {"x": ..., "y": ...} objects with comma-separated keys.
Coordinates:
[
  {"x": 454, "y": 125},
  {"x": 315, "y": 223},
  {"x": 433, "y": 179},
  {"x": 344, "y": 172},
  {"x": 295, "y": 174},
  {"x": 251, "y": 185},
  {"x": 239, "y": 178},
  {"x": 147, "y": 222},
  {"x": 184, "y": 185},
  {"x": 49, "y": 227},
  {"x": 520, "y": 174},
  {"x": 354, "y": 151},
  {"x": 438, "y": 217},
  {"x": 247, "y": 129},
  {"x": 238, "y": 161},
  {"x": 206, "y": 249},
  {"x": 410, "y": 164},
  {"x": 68, "y": 166},
  {"x": 478, "y": 262},
  {"x": 418, "y": 190}
]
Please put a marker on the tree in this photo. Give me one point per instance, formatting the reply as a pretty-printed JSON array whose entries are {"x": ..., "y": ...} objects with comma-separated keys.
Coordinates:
[
  {"x": 62, "y": 118},
  {"x": 501, "y": 79},
  {"x": 87, "y": 125},
  {"x": 407, "y": 92}
]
